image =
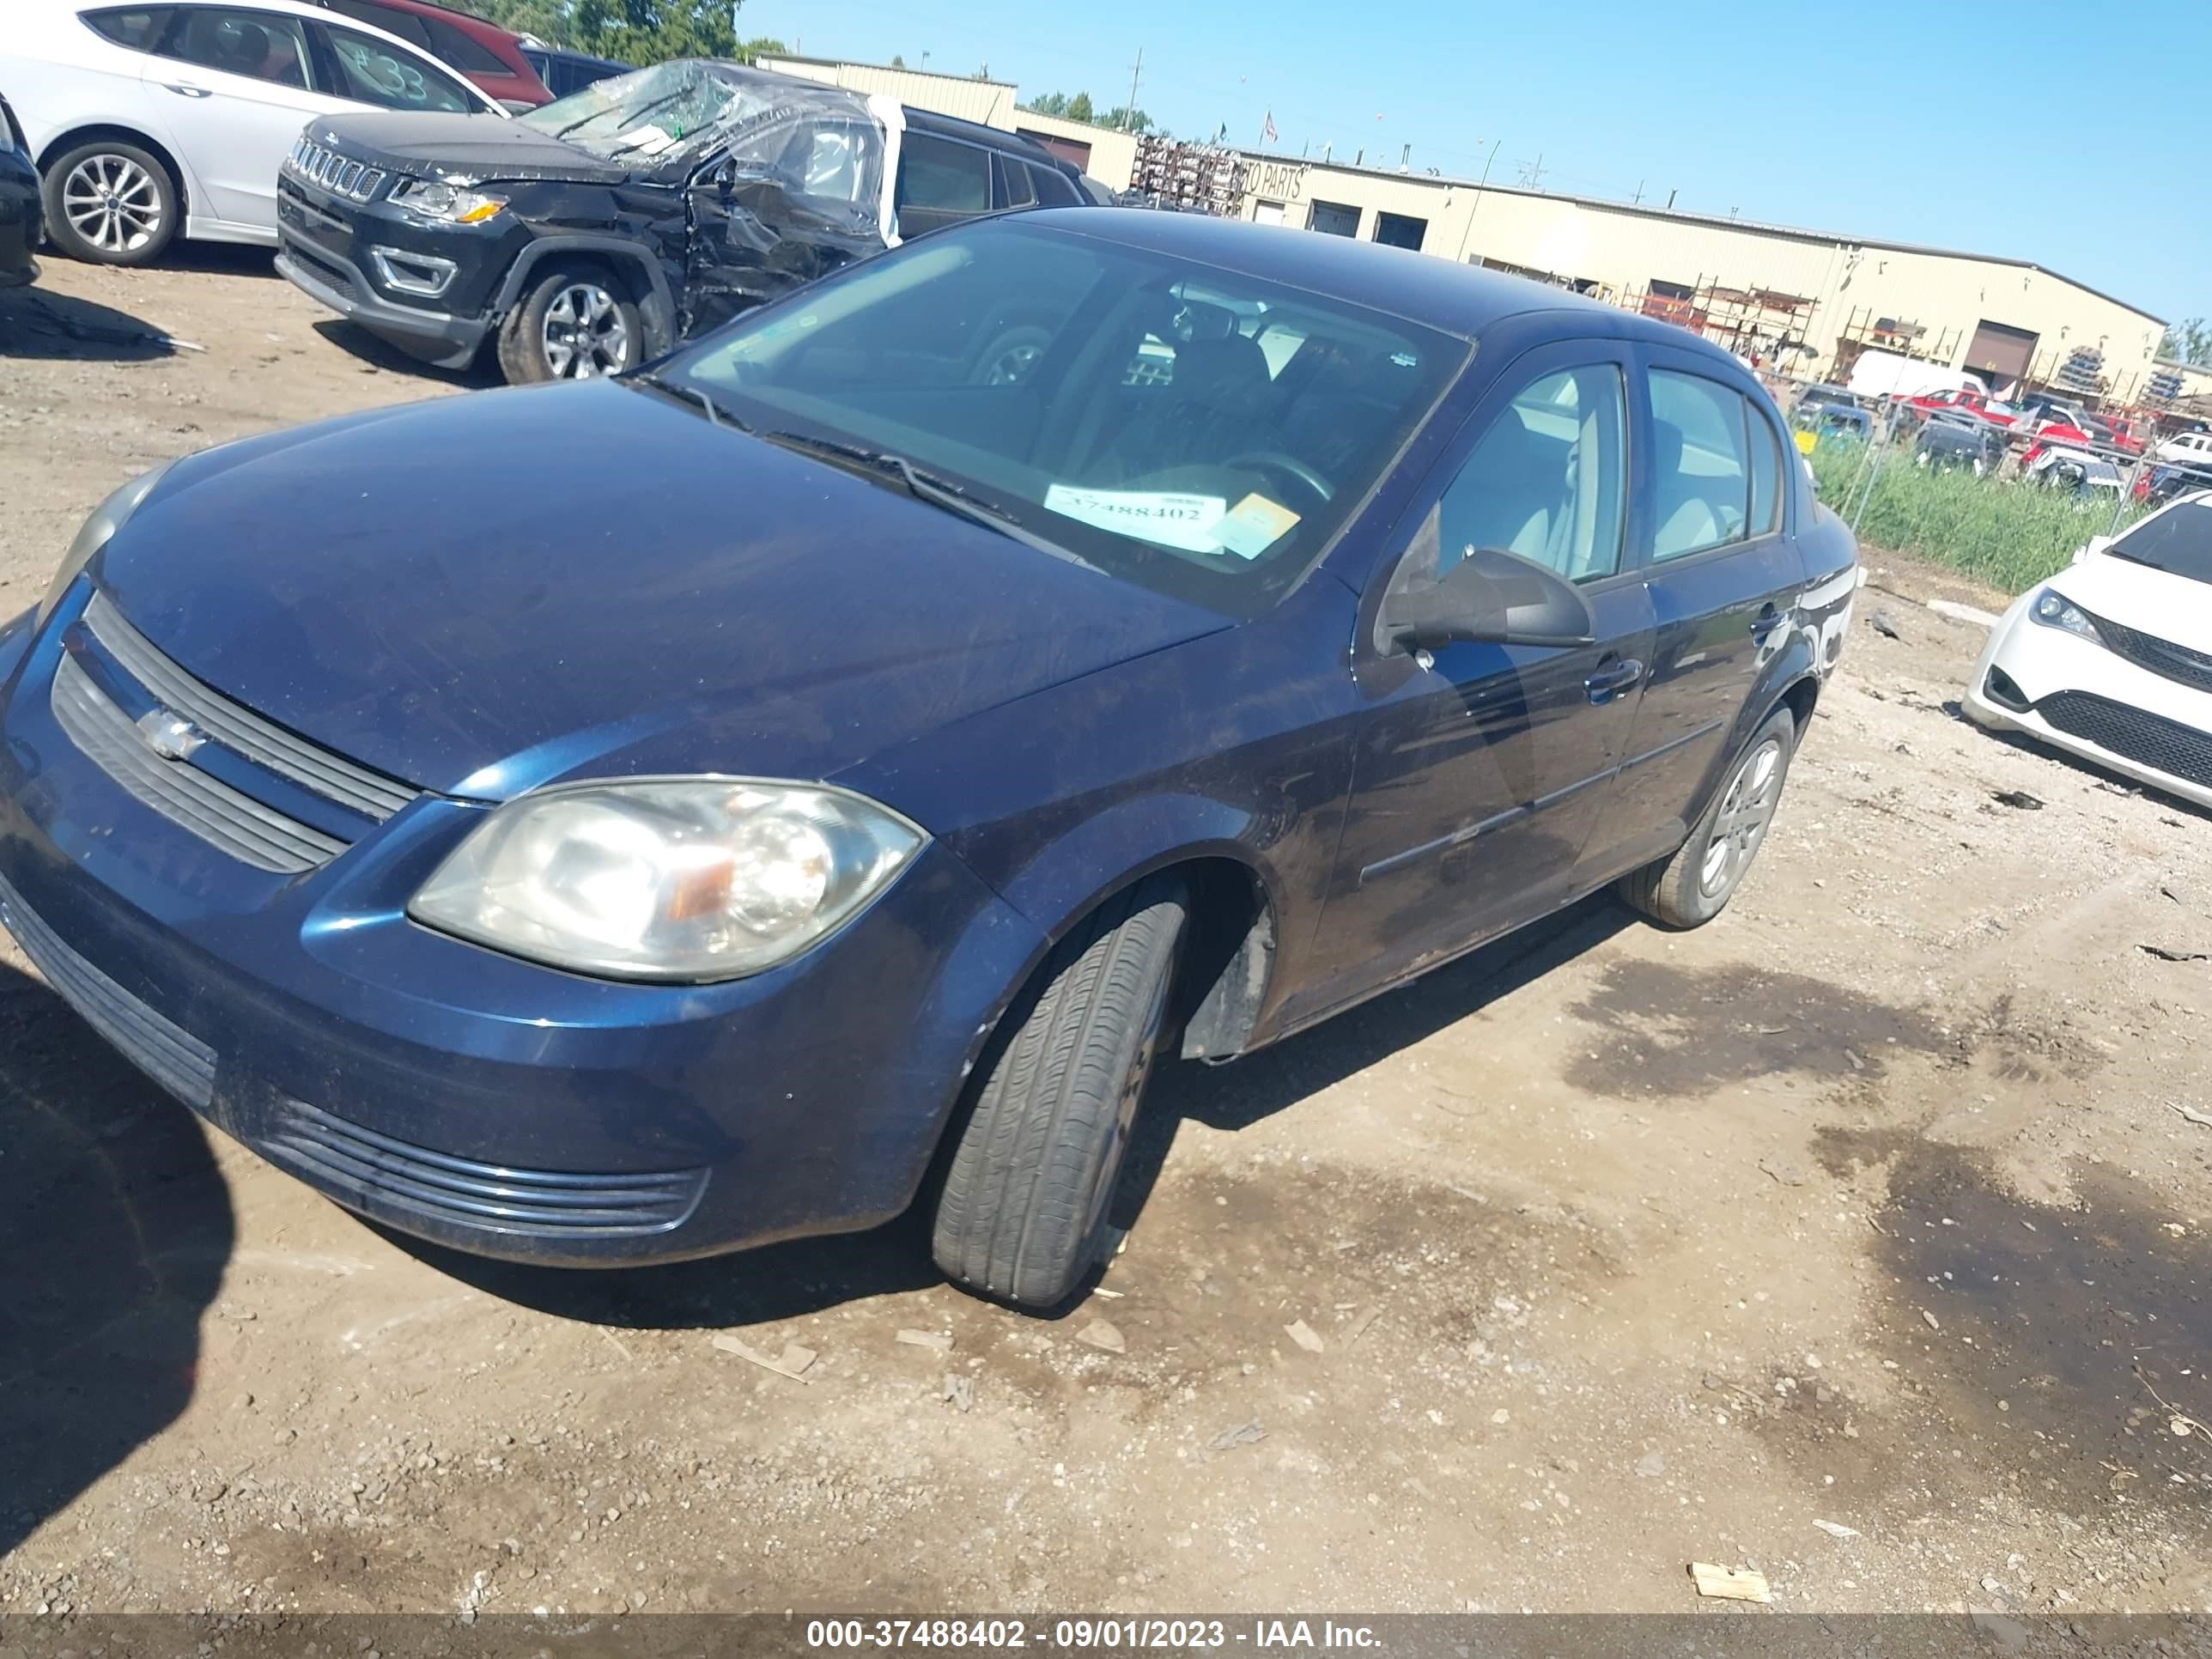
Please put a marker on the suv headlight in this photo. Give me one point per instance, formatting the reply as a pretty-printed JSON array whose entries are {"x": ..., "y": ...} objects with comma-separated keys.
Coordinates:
[
  {"x": 2054, "y": 610},
  {"x": 434, "y": 198},
  {"x": 110, "y": 516},
  {"x": 687, "y": 879}
]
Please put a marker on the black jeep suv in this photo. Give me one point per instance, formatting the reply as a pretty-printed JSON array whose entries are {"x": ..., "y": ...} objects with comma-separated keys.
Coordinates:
[{"x": 603, "y": 228}]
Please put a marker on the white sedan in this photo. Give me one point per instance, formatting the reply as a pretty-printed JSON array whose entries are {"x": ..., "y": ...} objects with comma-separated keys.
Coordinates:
[
  {"x": 2112, "y": 659},
  {"x": 149, "y": 121}
]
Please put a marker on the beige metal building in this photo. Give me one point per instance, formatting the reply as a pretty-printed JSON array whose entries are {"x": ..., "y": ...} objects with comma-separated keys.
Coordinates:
[{"x": 1805, "y": 303}]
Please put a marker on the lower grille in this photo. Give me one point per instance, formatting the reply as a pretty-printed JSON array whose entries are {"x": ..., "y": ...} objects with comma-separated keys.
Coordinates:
[
  {"x": 2147, "y": 739},
  {"x": 2162, "y": 657},
  {"x": 460, "y": 1192},
  {"x": 172, "y": 1056},
  {"x": 239, "y": 825},
  {"x": 331, "y": 276}
]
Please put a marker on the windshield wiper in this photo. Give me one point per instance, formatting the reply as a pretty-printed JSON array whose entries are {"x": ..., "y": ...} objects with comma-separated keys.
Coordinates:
[
  {"x": 896, "y": 470},
  {"x": 714, "y": 412}
]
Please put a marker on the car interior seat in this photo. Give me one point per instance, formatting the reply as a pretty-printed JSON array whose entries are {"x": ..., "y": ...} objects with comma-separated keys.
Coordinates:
[
  {"x": 1685, "y": 518},
  {"x": 1512, "y": 492}
]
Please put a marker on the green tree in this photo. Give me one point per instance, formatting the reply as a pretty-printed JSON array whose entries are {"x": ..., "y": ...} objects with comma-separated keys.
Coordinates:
[
  {"x": 639, "y": 32},
  {"x": 1078, "y": 107},
  {"x": 897, "y": 61},
  {"x": 1048, "y": 103},
  {"x": 1127, "y": 119},
  {"x": 2189, "y": 343}
]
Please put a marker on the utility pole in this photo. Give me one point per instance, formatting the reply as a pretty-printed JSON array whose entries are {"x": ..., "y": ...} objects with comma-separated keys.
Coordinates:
[
  {"x": 1532, "y": 172},
  {"x": 1636, "y": 200},
  {"x": 1129, "y": 109}
]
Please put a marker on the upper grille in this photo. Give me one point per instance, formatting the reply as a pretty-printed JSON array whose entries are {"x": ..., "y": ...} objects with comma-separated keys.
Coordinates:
[
  {"x": 372, "y": 1168},
  {"x": 179, "y": 792},
  {"x": 166, "y": 1052},
  {"x": 356, "y": 180},
  {"x": 239, "y": 730},
  {"x": 2147, "y": 739},
  {"x": 2161, "y": 657}
]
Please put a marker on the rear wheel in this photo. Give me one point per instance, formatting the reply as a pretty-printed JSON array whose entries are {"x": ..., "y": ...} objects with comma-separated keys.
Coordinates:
[
  {"x": 111, "y": 202},
  {"x": 574, "y": 323},
  {"x": 1026, "y": 1207},
  {"x": 1696, "y": 883}
]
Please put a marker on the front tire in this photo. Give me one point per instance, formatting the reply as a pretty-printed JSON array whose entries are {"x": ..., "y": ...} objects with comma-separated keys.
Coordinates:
[
  {"x": 110, "y": 203},
  {"x": 574, "y": 323},
  {"x": 1693, "y": 886},
  {"x": 1026, "y": 1210}
]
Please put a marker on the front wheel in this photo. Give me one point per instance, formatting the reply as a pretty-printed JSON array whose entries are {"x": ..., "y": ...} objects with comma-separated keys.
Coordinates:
[
  {"x": 572, "y": 324},
  {"x": 1026, "y": 1208},
  {"x": 1695, "y": 885}
]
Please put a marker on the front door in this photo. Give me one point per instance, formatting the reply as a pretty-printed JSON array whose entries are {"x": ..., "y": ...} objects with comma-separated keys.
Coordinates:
[
  {"x": 1724, "y": 576},
  {"x": 234, "y": 86},
  {"x": 796, "y": 202},
  {"x": 1481, "y": 767}
]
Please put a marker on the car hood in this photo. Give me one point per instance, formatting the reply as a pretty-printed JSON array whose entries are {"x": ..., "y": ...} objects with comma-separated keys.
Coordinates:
[
  {"x": 475, "y": 147},
  {"x": 2155, "y": 602},
  {"x": 480, "y": 594}
]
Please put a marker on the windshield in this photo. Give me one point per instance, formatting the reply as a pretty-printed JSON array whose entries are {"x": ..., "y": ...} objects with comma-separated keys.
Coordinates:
[
  {"x": 2178, "y": 541},
  {"x": 1193, "y": 430},
  {"x": 805, "y": 140}
]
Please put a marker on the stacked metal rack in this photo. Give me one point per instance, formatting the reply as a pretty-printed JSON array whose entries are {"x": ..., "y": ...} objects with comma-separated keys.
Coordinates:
[{"x": 1191, "y": 177}]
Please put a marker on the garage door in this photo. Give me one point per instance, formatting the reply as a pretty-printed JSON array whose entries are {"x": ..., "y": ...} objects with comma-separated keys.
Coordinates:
[{"x": 2001, "y": 352}]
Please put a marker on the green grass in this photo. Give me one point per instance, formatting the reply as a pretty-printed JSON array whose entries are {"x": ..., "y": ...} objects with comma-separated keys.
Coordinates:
[{"x": 2008, "y": 534}]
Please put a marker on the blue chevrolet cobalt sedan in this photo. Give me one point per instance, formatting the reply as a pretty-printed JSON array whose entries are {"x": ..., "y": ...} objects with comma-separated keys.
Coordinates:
[{"x": 824, "y": 770}]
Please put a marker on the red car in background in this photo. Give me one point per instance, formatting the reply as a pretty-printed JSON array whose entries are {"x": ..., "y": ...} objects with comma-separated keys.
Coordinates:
[
  {"x": 487, "y": 54},
  {"x": 1968, "y": 399}
]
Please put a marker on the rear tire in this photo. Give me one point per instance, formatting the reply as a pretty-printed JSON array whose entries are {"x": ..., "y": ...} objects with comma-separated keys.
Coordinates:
[
  {"x": 1693, "y": 886},
  {"x": 1026, "y": 1207},
  {"x": 111, "y": 202},
  {"x": 573, "y": 323}
]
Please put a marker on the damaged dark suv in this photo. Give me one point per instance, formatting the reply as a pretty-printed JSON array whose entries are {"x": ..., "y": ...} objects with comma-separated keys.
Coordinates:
[{"x": 606, "y": 226}]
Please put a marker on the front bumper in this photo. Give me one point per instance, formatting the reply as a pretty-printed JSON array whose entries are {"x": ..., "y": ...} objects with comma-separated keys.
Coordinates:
[
  {"x": 368, "y": 260},
  {"x": 2094, "y": 703},
  {"x": 468, "y": 1097}
]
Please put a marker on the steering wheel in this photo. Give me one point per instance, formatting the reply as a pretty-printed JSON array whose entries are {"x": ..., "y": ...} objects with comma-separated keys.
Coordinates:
[{"x": 1289, "y": 465}]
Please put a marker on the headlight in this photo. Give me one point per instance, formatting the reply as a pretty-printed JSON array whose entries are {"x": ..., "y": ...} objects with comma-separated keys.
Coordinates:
[
  {"x": 689, "y": 878},
  {"x": 94, "y": 534},
  {"x": 2054, "y": 610},
  {"x": 433, "y": 198}
]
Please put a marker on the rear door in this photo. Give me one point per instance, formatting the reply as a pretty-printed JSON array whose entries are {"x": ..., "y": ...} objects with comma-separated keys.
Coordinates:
[
  {"x": 234, "y": 86},
  {"x": 1723, "y": 575}
]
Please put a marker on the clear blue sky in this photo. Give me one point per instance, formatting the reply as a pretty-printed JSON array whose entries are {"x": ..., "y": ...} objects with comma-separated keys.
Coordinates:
[{"x": 1803, "y": 114}]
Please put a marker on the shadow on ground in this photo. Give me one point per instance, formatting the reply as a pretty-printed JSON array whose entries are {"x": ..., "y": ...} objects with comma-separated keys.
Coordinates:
[
  {"x": 783, "y": 1281},
  {"x": 376, "y": 355},
  {"x": 37, "y": 322},
  {"x": 114, "y": 1227}
]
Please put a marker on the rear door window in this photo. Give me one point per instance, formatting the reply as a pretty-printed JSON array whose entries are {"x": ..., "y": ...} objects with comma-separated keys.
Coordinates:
[
  {"x": 259, "y": 46},
  {"x": 1700, "y": 466},
  {"x": 1015, "y": 190},
  {"x": 1765, "y": 473},
  {"x": 940, "y": 181}
]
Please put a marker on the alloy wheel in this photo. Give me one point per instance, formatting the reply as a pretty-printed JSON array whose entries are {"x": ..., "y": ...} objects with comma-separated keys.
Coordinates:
[
  {"x": 584, "y": 335},
  {"x": 1746, "y": 809},
  {"x": 112, "y": 203}
]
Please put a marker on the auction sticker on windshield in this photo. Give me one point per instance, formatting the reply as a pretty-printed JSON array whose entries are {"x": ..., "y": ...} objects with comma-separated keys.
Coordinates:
[
  {"x": 1253, "y": 526},
  {"x": 1172, "y": 520}
]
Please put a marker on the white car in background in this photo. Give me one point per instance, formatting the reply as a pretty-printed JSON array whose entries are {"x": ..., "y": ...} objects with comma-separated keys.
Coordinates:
[
  {"x": 2112, "y": 659},
  {"x": 168, "y": 119}
]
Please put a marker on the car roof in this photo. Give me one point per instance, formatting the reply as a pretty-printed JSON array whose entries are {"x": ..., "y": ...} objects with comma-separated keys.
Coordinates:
[
  {"x": 451, "y": 14},
  {"x": 1441, "y": 294}
]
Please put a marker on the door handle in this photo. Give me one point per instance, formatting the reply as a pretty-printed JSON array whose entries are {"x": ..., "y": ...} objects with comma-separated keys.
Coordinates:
[
  {"x": 1765, "y": 622},
  {"x": 187, "y": 88},
  {"x": 1619, "y": 676}
]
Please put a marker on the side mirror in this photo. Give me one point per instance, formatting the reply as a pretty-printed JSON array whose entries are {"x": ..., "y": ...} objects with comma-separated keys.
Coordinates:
[{"x": 1489, "y": 595}]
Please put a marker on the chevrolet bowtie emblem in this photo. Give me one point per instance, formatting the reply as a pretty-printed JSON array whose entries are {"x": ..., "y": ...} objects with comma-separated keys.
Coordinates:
[{"x": 170, "y": 736}]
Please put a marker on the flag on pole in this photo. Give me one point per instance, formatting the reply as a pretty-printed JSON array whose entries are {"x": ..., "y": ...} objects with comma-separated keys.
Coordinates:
[
  {"x": 1222, "y": 137},
  {"x": 1267, "y": 131}
]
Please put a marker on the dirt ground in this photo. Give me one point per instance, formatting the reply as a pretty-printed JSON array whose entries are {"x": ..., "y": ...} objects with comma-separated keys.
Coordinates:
[{"x": 1868, "y": 1205}]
